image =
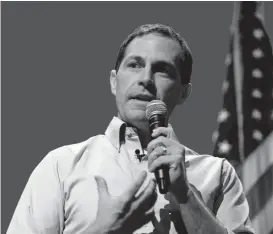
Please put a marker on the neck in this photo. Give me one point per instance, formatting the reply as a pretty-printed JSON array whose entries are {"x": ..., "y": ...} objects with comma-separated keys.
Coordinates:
[
  {"x": 144, "y": 137},
  {"x": 141, "y": 128},
  {"x": 143, "y": 133}
]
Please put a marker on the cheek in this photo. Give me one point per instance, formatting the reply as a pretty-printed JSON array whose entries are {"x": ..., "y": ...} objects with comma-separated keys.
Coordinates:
[
  {"x": 125, "y": 82},
  {"x": 167, "y": 89},
  {"x": 169, "y": 93}
]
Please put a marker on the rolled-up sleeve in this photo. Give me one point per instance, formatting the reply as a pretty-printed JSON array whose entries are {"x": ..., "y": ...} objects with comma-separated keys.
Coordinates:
[
  {"x": 40, "y": 208},
  {"x": 231, "y": 204}
]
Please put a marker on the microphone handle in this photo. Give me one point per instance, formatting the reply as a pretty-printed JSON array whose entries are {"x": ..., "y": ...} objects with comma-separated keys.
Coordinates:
[{"x": 161, "y": 174}]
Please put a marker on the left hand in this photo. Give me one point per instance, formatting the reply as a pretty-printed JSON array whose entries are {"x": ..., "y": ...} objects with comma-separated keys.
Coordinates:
[{"x": 164, "y": 151}]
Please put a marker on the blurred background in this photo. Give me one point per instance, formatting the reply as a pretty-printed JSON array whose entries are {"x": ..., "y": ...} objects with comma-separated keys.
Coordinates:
[{"x": 56, "y": 61}]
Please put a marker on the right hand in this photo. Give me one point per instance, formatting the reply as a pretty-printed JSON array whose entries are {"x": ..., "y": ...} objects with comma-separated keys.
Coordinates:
[{"x": 126, "y": 213}]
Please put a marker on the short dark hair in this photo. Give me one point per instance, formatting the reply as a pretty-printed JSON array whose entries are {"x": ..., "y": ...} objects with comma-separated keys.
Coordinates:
[{"x": 187, "y": 60}]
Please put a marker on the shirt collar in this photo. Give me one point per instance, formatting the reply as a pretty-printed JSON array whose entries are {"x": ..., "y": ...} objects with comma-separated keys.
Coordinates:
[{"x": 117, "y": 131}]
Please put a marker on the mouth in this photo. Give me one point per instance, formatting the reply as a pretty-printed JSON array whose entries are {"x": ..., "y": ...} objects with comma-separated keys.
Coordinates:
[{"x": 144, "y": 98}]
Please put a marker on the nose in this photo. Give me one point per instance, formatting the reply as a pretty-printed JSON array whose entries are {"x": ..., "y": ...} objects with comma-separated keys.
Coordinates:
[{"x": 146, "y": 78}]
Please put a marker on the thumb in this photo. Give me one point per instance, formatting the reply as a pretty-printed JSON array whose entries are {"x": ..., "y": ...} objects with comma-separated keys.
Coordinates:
[{"x": 102, "y": 187}]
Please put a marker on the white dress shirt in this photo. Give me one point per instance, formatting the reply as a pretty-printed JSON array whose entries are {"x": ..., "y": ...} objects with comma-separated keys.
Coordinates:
[{"x": 61, "y": 194}]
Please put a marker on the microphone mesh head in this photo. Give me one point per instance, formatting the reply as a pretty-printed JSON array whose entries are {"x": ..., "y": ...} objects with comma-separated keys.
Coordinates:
[{"x": 156, "y": 107}]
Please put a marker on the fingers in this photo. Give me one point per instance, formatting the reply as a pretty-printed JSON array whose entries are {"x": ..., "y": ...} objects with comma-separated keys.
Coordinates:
[
  {"x": 170, "y": 161},
  {"x": 157, "y": 152},
  {"x": 141, "y": 220},
  {"x": 161, "y": 131},
  {"x": 159, "y": 141},
  {"x": 132, "y": 190},
  {"x": 137, "y": 222},
  {"x": 147, "y": 218},
  {"x": 102, "y": 187},
  {"x": 146, "y": 199}
]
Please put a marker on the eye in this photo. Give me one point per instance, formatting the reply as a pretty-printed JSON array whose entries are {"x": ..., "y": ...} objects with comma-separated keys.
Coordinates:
[
  {"x": 164, "y": 70},
  {"x": 134, "y": 64}
]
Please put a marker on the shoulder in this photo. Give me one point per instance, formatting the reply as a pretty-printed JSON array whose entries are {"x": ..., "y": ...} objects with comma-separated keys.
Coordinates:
[
  {"x": 210, "y": 165},
  {"x": 204, "y": 160},
  {"x": 62, "y": 160}
]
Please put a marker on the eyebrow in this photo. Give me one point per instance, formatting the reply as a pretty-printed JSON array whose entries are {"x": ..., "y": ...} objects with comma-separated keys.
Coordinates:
[
  {"x": 136, "y": 57},
  {"x": 161, "y": 62}
]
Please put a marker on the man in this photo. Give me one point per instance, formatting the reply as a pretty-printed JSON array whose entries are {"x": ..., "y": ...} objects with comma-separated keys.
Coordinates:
[{"x": 99, "y": 186}]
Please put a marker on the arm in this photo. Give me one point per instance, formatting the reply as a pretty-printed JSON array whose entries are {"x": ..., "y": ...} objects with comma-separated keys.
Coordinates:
[
  {"x": 40, "y": 205},
  {"x": 231, "y": 207},
  {"x": 196, "y": 216}
]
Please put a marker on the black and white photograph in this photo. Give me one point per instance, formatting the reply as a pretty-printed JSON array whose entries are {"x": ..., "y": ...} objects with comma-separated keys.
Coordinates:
[{"x": 137, "y": 117}]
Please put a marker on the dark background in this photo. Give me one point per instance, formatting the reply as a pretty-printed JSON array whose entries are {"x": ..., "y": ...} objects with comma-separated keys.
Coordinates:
[{"x": 56, "y": 61}]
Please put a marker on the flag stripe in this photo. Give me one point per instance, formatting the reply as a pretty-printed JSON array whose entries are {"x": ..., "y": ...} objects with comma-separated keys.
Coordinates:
[
  {"x": 263, "y": 223},
  {"x": 256, "y": 164},
  {"x": 256, "y": 199}
]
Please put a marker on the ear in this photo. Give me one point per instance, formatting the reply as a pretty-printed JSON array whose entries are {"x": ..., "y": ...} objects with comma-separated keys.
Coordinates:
[
  {"x": 185, "y": 93},
  {"x": 113, "y": 81}
]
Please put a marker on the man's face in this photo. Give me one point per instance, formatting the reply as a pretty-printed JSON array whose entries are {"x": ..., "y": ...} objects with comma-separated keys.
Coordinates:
[{"x": 149, "y": 70}]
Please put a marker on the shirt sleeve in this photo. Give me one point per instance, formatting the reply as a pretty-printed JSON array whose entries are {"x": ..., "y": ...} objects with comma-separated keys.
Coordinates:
[
  {"x": 40, "y": 208},
  {"x": 231, "y": 204}
]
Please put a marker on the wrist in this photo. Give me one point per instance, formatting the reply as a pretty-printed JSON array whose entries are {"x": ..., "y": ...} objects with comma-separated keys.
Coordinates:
[
  {"x": 181, "y": 191},
  {"x": 97, "y": 229}
]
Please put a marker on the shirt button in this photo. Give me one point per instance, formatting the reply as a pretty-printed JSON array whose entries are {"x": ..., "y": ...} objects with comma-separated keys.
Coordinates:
[{"x": 128, "y": 133}]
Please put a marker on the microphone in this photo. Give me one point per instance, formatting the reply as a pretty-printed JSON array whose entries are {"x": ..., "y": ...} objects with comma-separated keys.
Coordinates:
[
  {"x": 138, "y": 155},
  {"x": 157, "y": 114}
]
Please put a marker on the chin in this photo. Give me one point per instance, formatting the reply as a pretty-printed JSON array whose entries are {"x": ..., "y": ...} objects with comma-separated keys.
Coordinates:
[
  {"x": 137, "y": 119},
  {"x": 141, "y": 125}
]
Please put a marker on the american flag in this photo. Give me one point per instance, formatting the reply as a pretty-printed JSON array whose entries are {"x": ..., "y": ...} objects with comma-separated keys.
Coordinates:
[{"x": 245, "y": 122}]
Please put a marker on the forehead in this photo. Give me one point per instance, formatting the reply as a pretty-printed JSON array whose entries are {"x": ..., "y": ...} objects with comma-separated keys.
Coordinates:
[{"x": 154, "y": 46}]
